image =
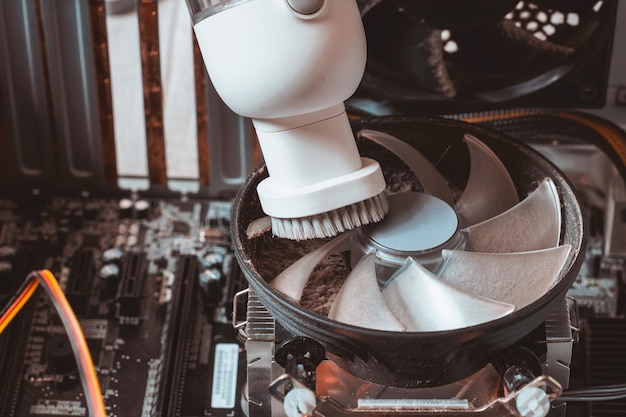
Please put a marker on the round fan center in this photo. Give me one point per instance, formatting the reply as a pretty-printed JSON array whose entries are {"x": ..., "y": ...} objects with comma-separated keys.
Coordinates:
[{"x": 417, "y": 225}]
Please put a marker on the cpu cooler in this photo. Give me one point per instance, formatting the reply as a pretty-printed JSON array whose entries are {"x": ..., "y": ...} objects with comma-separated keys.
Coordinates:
[{"x": 482, "y": 240}]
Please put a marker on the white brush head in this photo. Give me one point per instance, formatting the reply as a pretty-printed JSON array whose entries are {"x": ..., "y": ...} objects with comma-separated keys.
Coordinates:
[{"x": 333, "y": 222}]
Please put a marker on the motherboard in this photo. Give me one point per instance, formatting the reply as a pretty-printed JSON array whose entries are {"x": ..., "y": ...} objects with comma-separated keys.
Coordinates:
[{"x": 151, "y": 283}]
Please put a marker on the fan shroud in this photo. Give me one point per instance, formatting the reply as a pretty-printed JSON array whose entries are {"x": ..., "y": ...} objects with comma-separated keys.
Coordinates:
[
  {"x": 464, "y": 81},
  {"x": 418, "y": 359}
]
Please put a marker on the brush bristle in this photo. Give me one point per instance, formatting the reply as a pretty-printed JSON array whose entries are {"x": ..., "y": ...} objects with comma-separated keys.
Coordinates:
[{"x": 333, "y": 222}]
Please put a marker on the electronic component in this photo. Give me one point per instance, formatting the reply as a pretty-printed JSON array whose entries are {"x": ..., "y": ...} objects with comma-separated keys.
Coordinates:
[
  {"x": 143, "y": 313},
  {"x": 78, "y": 289},
  {"x": 151, "y": 272},
  {"x": 130, "y": 293}
]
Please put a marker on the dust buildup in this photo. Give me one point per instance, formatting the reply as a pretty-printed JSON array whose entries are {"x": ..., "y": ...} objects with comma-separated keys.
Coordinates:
[
  {"x": 273, "y": 255},
  {"x": 324, "y": 283}
]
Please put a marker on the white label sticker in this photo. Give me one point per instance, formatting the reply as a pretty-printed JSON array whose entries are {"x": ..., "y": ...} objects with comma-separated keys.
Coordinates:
[{"x": 225, "y": 367}]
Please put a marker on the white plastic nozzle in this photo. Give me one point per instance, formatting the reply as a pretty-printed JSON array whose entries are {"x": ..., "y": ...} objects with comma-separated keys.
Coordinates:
[
  {"x": 266, "y": 62},
  {"x": 315, "y": 168},
  {"x": 289, "y": 65}
]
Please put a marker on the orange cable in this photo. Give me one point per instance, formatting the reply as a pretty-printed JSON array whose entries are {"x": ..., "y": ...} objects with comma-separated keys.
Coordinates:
[
  {"x": 17, "y": 305},
  {"x": 92, "y": 386},
  {"x": 614, "y": 139},
  {"x": 89, "y": 378}
]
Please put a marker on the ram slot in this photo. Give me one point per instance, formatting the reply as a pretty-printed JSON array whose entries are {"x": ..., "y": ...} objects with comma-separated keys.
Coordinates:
[{"x": 178, "y": 315}]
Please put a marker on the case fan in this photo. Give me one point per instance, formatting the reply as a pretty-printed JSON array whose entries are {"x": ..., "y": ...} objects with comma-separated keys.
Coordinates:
[{"x": 466, "y": 55}]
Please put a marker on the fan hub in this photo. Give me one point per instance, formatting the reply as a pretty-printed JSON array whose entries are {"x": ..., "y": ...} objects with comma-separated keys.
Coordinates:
[{"x": 417, "y": 225}]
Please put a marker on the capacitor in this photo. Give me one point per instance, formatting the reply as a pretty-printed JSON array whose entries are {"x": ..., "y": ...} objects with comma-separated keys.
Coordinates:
[
  {"x": 210, "y": 283},
  {"x": 59, "y": 355},
  {"x": 109, "y": 275},
  {"x": 142, "y": 209},
  {"x": 131, "y": 240},
  {"x": 125, "y": 208},
  {"x": 112, "y": 255},
  {"x": 212, "y": 259}
]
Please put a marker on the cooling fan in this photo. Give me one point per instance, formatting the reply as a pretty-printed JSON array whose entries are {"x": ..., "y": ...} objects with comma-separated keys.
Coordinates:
[
  {"x": 512, "y": 259},
  {"x": 460, "y": 55},
  {"x": 458, "y": 270}
]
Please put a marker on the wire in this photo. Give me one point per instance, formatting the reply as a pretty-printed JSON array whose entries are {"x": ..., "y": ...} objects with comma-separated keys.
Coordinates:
[
  {"x": 611, "y": 389},
  {"x": 17, "y": 302},
  {"x": 528, "y": 122},
  {"x": 86, "y": 369},
  {"x": 600, "y": 393}
]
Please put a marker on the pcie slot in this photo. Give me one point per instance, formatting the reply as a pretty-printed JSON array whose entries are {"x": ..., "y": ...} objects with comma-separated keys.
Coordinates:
[
  {"x": 78, "y": 289},
  {"x": 12, "y": 350},
  {"x": 179, "y": 313},
  {"x": 134, "y": 270},
  {"x": 13, "y": 339}
]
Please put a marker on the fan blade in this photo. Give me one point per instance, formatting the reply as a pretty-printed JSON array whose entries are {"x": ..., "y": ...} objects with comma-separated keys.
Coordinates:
[
  {"x": 423, "y": 302},
  {"x": 489, "y": 190},
  {"x": 533, "y": 224},
  {"x": 359, "y": 301},
  {"x": 514, "y": 278},
  {"x": 431, "y": 180},
  {"x": 292, "y": 280}
]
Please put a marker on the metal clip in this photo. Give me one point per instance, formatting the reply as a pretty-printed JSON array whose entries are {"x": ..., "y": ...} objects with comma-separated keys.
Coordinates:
[
  {"x": 575, "y": 318},
  {"x": 238, "y": 325}
]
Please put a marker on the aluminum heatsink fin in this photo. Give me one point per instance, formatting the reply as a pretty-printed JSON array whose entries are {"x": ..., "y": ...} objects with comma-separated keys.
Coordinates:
[
  {"x": 432, "y": 181},
  {"x": 533, "y": 224},
  {"x": 359, "y": 302},
  {"x": 424, "y": 302},
  {"x": 489, "y": 190},
  {"x": 292, "y": 280},
  {"x": 514, "y": 278}
]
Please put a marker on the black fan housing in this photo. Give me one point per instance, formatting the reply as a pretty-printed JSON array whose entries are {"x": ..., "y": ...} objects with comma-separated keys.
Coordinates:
[{"x": 419, "y": 359}]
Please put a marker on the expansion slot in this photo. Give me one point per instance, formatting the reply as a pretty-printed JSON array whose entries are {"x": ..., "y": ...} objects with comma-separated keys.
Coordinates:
[
  {"x": 13, "y": 340},
  {"x": 134, "y": 271},
  {"x": 179, "y": 312},
  {"x": 12, "y": 348}
]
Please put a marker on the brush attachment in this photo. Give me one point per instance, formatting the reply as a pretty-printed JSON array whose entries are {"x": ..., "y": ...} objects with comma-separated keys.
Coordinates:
[
  {"x": 333, "y": 222},
  {"x": 318, "y": 184},
  {"x": 289, "y": 66}
]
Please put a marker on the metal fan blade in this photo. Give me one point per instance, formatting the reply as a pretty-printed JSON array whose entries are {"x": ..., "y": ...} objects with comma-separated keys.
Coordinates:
[
  {"x": 423, "y": 302},
  {"x": 432, "y": 181},
  {"x": 515, "y": 278},
  {"x": 359, "y": 301},
  {"x": 533, "y": 224},
  {"x": 489, "y": 190},
  {"x": 292, "y": 280}
]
